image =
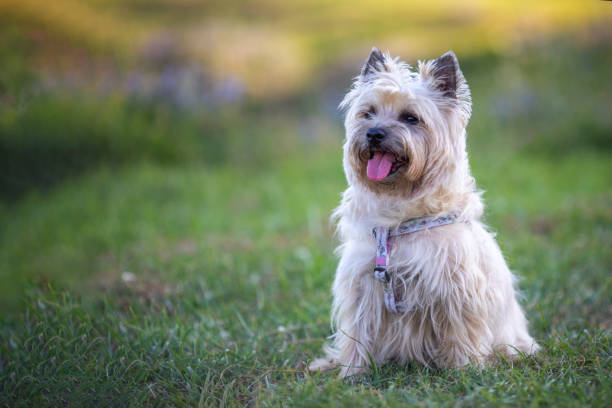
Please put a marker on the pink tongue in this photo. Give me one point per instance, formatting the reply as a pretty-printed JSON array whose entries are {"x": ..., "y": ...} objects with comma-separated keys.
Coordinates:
[{"x": 379, "y": 166}]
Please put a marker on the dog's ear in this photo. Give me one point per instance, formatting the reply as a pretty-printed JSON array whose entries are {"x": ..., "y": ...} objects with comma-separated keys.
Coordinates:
[
  {"x": 375, "y": 63},
  {"x": 444, "y": 75}
]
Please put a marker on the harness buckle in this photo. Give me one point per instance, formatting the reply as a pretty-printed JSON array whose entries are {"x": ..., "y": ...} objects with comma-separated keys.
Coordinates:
[{"x": 381, "y": 274}]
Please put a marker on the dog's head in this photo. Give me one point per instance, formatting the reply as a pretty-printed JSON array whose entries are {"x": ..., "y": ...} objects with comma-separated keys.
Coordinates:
[{"x": 405, "y": 129}]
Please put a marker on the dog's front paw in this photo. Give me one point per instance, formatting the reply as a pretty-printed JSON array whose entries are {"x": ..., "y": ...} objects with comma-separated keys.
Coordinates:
[{"x": 322, "y": 364}]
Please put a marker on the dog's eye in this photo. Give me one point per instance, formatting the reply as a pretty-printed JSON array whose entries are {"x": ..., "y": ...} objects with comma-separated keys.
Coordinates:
[
  {"x": 408, "y": 118},
  {"x": 369, "y": 114}
]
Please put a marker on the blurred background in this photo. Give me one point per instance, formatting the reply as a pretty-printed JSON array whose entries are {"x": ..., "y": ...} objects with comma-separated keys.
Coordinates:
[{"x": 145, "y": 137}]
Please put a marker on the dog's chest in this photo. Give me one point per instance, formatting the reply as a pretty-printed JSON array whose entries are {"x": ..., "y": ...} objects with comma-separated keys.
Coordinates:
[{"x": 410, "y": 266}]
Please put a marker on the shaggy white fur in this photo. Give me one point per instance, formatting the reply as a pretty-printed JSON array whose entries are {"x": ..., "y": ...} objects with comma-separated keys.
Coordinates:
[{"x": 457, "y": 293}]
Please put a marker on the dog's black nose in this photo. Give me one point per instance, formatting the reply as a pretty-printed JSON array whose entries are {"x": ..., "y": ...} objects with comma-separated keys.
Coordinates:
[{"x": 375, "y": 135}]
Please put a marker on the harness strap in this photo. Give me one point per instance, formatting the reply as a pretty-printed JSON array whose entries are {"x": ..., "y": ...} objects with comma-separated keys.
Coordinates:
[{"x": 383, "y": 237}]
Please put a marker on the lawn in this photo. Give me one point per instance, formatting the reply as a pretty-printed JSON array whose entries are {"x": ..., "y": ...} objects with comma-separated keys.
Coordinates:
[
  {"x": 211, "y": 287},
  {"x": 154, "y": 257}
]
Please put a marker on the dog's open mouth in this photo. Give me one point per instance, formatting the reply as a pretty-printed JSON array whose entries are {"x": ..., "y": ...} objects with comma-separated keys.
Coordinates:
[{"x": 382, "y": 165}]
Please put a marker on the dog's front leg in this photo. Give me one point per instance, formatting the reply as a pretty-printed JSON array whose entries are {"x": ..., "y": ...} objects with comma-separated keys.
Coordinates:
[
  {"x": 352, "y": 342},
  {"x": 461, "y": 319},
  {"x": 357, "y": 310}
]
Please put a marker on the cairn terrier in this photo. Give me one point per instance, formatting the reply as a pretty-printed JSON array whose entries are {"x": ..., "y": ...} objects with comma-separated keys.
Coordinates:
[{"x": 420, "y": 277}]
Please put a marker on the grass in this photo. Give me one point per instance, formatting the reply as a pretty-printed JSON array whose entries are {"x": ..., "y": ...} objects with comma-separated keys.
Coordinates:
[
  {"x": 188, "y": 271},
  {"x": 63, "y": 134},
  {"x": 230, "y": 290}
]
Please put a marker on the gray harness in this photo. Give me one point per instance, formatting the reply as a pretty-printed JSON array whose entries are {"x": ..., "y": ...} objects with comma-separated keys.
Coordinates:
[{"x": 383, "y": 237}]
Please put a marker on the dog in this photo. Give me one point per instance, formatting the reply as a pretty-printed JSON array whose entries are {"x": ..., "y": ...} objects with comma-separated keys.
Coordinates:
[{"x": 420, "y": 278}]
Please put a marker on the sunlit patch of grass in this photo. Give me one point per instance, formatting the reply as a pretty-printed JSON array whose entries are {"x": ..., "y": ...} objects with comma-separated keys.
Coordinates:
[
  {"x": 275, "y": 48},
  {"x": 79, "y": 22}
]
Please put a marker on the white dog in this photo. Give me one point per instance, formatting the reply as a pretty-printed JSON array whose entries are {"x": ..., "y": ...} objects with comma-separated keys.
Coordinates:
[{"x": 420, "y": 278}]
